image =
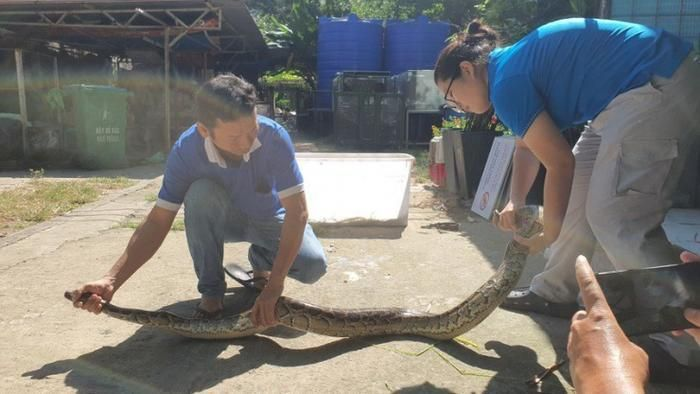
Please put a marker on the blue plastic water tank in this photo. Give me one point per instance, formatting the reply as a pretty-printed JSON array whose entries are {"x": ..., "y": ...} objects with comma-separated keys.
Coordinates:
[
  {"x": 346, "y": 44},
  {"x": 414, "y": 44}
]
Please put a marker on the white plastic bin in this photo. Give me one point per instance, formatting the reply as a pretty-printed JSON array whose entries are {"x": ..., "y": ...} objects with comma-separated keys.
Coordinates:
[{"x": 360, "y": 189}]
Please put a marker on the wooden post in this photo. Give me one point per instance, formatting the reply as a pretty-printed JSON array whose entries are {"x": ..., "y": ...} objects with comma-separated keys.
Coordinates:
[
  {"x": 166, "y": 131},
  {"x": 22, "y": 101}
]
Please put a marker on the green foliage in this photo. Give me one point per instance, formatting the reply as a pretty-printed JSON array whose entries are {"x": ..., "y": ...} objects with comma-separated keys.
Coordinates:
[
  {"x": 455, "y": 122},
  {"x": 511, "y": 18},
  {"x": 472, "y": 122},
  {"x": 586, "y": 8},
  {"x": 274, "y": 32},
  {"x": 36, "y": 174},
  {"x": 456, "y": 12},
  {"x": 282, "y": 81},
  {"x": 514, "y": 19},
  {"x": 40, "y": 199},
  {"x": 421, "y": 167},
  {"x": 284, "y": 104},
  {"x": 294, "y": 24},
  {"x": 134, "y": 223},
  {"x": 178, "y": 225},
  {"x": 284, "y": 78}
]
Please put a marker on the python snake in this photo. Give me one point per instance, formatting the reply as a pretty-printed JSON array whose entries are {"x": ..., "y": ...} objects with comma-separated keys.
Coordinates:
[{"x": 360, "y": 322}]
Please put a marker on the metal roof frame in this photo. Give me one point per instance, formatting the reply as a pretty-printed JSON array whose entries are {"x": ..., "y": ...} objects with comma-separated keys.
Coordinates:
[
  {"x": 109, "y": 27},
  {"x": 180, "y": 21},
  {"x": 225, "y": 26},
  {"x": 42, "y": 18}
]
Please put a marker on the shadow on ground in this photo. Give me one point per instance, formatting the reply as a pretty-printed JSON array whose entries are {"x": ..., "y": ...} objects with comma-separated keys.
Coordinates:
[
  {"x": 155, "y": 361},
  {"x": 357, "y": 232},
  {"x": 491, "y": 243},
  {"x": 487, "y": 238}
]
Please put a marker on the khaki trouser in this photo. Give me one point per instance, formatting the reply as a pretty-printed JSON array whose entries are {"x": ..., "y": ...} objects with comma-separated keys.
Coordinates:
[{"x": 629, "y": 161}]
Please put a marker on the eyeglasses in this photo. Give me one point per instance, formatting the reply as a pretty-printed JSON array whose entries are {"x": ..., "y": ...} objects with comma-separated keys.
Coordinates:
[{"x": 454, "y": 105}]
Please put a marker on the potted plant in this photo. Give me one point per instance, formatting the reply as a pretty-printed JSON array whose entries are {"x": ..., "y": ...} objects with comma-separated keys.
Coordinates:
[
  {"x": 477, "y": 138},
  {"x": 467, "y": 142}
]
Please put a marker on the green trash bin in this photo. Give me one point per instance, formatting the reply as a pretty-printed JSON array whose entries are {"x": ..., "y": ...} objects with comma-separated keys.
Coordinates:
[{"x": 96, "y": 117}]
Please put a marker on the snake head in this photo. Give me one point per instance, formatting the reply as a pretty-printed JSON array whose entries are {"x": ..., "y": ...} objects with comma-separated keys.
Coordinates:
[{"x": 528, "y": 220}]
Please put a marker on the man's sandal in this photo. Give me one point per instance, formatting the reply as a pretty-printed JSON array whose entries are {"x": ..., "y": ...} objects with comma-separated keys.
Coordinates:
[
  {"x": 523, "y": 299},
  {"x": 245, "y": 278}
]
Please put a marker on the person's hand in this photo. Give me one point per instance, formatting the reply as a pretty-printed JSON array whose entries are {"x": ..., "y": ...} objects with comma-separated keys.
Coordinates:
[
  {"x": 102, "y": 291},
  {"x": 505, "y": 219},
  {"x": 535, "y": 244},
  {"x": 602, "y": 359},
  {"x": 692, "y": 314},
  {"x": 264, "y": 312}
]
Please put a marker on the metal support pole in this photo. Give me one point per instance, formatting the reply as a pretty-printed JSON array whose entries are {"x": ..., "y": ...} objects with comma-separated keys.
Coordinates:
[
  {"x": 57, "y": 85},
  {"x": 22, "y": 101},
  {"x": 604, "y": 11},
  {"x": 205, "y": 74},
  {"x": 166, "y": 132},
  {"x": 273, "y": 106}
]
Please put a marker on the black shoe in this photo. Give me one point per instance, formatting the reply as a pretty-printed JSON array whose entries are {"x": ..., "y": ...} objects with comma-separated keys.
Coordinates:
[{"x": 523, "y": 299}]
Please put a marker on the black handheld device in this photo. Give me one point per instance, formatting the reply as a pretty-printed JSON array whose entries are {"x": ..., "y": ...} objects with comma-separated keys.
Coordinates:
[{"x": 652, "y": 300}]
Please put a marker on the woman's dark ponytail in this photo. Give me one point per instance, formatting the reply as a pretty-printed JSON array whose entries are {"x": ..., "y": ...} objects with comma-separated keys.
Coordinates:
[
  {"x": 473, "y": 45},
  {"x": 477, "y": 31},
  {"x": 474, "y": 27}
]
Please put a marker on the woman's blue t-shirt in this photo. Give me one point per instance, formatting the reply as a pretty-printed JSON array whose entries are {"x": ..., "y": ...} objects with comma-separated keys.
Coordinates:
[{"x": 573, "y": 68}]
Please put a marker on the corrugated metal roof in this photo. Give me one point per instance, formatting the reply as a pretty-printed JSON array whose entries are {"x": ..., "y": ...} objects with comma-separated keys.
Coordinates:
[{"x": 114, "y": 25}]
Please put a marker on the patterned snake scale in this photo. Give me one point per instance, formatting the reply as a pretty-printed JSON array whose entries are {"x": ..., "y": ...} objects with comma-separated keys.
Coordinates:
[{"x": 360, "y": 322}]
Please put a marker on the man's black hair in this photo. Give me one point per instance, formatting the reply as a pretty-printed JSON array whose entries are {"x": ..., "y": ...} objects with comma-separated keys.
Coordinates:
[{"x": 225, "y": 97}]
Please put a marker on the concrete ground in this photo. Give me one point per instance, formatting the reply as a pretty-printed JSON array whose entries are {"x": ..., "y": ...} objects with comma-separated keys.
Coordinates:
[{"x": 47, "y": 346}]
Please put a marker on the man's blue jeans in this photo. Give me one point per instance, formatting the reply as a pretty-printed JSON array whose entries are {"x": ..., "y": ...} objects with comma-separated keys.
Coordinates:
[{"x": 211, "y": 219}]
